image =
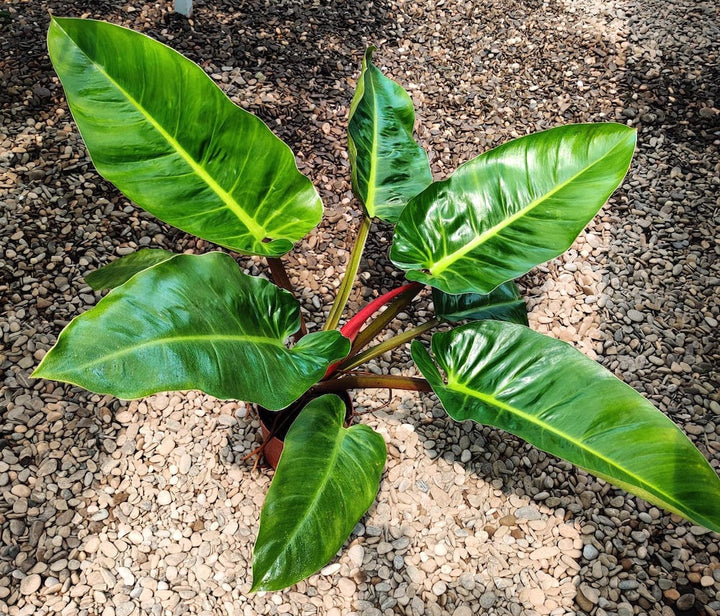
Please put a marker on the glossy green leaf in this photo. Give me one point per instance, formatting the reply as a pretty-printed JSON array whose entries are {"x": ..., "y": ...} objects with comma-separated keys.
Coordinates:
[
  {"x": 327, "y": 478},
  {"x": 158, "y": 128},
  {"x": 511, "y": 208},
  {"x": 123, "y": 269},
  {"x": 193, "y": 322},
  {"x": 503, "y": 303},
  {"x": 388, "y": 167},
  {"x": 551, "y": 395}
]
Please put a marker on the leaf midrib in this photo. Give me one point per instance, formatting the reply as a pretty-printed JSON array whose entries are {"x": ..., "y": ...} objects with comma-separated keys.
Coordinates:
[
  {"x": 442, "y": 264},
  {"x": 334, "y": 455},
  {"x": 256, "y": 230},
  {"x": 189, "y": 339},
  {"x": 372, "y": 177},
  {"x": 461, "y": 388},
  {"x": 481, "y": 309}
]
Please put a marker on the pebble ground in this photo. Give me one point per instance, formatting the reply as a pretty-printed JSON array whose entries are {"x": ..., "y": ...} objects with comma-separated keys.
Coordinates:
[{"x": 125, "y": 508}]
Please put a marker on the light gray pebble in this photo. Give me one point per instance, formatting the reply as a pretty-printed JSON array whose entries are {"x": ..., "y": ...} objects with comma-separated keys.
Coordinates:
[
  {"x": 590, "y": 552},
  {"x": 487, "y": 600},
  {"x": 635, "y": 316}
]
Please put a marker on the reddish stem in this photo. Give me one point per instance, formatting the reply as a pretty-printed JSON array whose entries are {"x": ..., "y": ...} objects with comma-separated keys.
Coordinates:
[
  {"x": 354, "y": 325},
  {"x": 361, "y": 380}
]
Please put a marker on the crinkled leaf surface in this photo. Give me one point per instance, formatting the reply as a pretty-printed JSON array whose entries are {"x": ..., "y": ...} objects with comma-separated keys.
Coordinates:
[
  {"x": 327, "y": 478},
  {"x": 551, "y": 395},
  {"x": 158, "y": 128},
  {"x": 511, "y": 208},
  {"x": 388, "y": 167},
  {"x": 123, "y": 269},
  {"x": 504, "y": 303},
  {"x": 193, "y": 322}
]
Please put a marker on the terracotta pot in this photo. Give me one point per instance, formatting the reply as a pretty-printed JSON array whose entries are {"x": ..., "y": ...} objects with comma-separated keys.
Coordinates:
[{"x": 282, "y": 420}]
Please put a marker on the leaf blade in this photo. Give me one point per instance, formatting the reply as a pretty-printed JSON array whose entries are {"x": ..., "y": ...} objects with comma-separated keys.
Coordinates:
[
  {"x": 121, "y": 270},
  {"x": 158, "y": 333},
  {"x": 327, "y": 478},
  {"x": 511, "y": 208},
  {"x": 504, "y": 303},
  {"x": 158, "y": 128},
  {"x": 388, "y": 166},
  {"x": 552, "y": 396}
]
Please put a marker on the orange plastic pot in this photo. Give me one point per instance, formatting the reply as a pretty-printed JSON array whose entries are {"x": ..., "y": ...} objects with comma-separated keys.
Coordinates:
[{"x": 274, "y": 425}]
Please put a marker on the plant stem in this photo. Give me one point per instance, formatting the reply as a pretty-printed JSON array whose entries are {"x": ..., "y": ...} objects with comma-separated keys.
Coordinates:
[
  {"x": 281, "y": 279},
  {"x": 356, "y": 360},
  {"x": 364, "y": 380},
  {"x": 351, "y": 328},
  {"x": 373, "y": 329},
  {"x": 349, "y": 278}
]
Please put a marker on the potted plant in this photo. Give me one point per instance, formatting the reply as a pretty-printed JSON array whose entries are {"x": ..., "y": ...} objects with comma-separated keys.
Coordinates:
[{"x": 158, "y": 128}]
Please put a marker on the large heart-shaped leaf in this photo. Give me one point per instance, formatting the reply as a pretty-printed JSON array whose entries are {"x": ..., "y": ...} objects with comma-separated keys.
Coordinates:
[
  {"x": 554, "y": 397},
  {"x": 194, "y": 322},
  {"x": 327, "y": 478},
  {"x": 511, "y": 208},
  {"x": 159, "y": 128},
  {"x": 388, "y": 167},
  {"x": 505, "y": 303},
  {"x": 123, "y": 269}
]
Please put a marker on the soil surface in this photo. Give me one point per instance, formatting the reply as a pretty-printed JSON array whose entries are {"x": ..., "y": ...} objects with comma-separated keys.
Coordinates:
[{"x": 146, "y": 507}]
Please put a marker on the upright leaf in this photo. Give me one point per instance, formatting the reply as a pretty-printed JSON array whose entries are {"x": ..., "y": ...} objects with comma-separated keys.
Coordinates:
[
  {"x": 388, "y": 167},
  {"x": 554, "y": 397},
  {"x": 158, "y": 128},
  {"x": 511, "y": 208},
  {"x": 503, "y": 303},
  {"x": 193, "y": 322},
  {"x": 123, "y": 269},
  {"x": 327, "y": 478}
]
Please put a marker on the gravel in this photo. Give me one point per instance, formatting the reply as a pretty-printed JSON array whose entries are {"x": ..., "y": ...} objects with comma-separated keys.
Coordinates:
[{"x": 145, "y": 507}]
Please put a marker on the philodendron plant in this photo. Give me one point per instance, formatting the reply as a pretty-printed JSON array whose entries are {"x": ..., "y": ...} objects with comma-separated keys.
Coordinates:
[{"x": 158, "y": 128}]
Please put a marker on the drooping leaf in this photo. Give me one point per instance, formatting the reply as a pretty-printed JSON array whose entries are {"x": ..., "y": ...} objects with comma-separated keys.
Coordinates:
[
  {"x": 123, "y": 269},
  {"x": 193, "y": 322},
  {"x": 158, "y": 128},
  {"x": 503, "y": 303},
  {"x": 327, "y": 478},
  {"x": 388, "y": 167},
  {"x": 511, "y": 208},
  {"x": 551, "y": 395}
]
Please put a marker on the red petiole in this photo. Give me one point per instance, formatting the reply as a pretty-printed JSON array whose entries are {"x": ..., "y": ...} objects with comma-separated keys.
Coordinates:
[{"x": 351, "y": 329}]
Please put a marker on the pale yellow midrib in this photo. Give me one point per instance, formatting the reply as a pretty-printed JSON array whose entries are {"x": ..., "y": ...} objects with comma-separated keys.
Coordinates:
[
  {"x": 252, "y": 226},
  {"x": 177, "y": 339},
  {"x": 441, "y": 265},
  {"x": 491, "y": 400},
  {"x": 372, "y": 178}
]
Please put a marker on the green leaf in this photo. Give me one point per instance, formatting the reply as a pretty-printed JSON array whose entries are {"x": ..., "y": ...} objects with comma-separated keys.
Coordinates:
[
  {"x": 503, "y": 303},
  {"x": 511, "y": 208},
  {"x": 551, "y": 395},
  {"x": 158, "y": 128},
  {"x": 123, "y": 269},
  {"x": 327, "y": 478},
  {"x": 193, "y": 322},
  {"x": 388, "y": 167}
]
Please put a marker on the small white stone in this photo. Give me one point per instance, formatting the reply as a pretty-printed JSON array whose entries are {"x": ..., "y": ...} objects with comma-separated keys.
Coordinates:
[
  {"x": 164, "y": 498},
  {"x": 184, "y": 464},
  {"x": 356, "y": 553},
  {"x": 331, "y": 569},
  {"x": 203, "y": 572},
  {"x": 127, "y": 577},
  {"x": 346, "y": 586},
  {"x": 30, "y": 584}
]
